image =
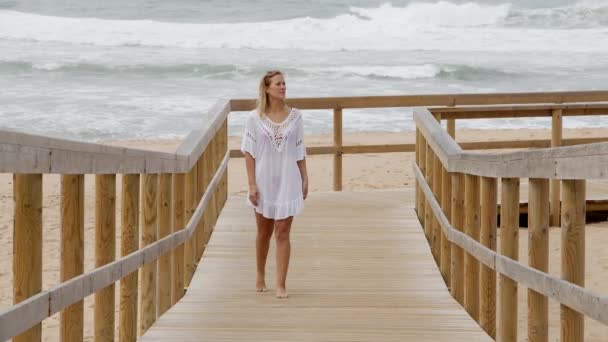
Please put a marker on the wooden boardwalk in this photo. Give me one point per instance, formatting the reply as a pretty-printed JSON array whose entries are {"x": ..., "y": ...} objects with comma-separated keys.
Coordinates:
[{"x": 360, "y": 270}]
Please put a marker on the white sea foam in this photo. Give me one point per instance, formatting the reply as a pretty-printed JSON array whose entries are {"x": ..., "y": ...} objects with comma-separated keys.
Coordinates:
[{"x": 419, "y": 26}]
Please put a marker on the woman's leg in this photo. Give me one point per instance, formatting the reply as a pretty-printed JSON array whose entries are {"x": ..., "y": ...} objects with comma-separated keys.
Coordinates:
[
  {"x": 262, "y": 242},
  {"x": 283, "y": 227}
]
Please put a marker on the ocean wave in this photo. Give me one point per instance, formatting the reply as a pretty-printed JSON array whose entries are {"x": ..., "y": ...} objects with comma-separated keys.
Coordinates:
[
  {"x": 583, "y": 14},
  {"x": 423, "y": 71},
  {"x": 396, "y": 72},
  {"x": 210, "y": 70},
  {"x": 443, "y": 26}
]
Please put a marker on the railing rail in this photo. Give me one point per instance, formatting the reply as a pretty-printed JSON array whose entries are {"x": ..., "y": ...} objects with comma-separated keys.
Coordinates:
[
  {"x": 188, "y": 185},
  {"x": 192, "y": 180},
  {"x": 472, "y": 274}
]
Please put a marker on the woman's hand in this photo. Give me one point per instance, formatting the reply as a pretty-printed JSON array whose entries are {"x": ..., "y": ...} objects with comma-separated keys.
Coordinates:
[
  {"x": 253, "y": 194},
  {"x": 305, "y": 188}
]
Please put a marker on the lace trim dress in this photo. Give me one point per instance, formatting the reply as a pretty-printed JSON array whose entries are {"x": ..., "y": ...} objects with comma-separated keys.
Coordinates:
[{"x": 276, "y": 148}]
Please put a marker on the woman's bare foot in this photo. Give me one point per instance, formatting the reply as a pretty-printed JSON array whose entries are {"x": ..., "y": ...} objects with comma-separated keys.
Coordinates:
[
  {"x": 282, "y": 292},
  {"x": 260, "y": 286}
]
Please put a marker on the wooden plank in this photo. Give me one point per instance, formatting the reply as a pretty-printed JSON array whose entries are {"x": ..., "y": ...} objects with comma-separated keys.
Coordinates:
[
  {"x": 422, "y": 166},
  {"x": 458, "y": 222},
  {"x": 556, "y": 141},
  {"x": 446, "y": 205},
  {"x": 428, "y": 214},
  {"x": 179, "y": 219},
  {"x": 436, "y": 228},
  {"x": 472, "y": 229},
  {"x": 164, "y": 229},
  {"x": 338, "y": 147},
  {"x": 129, "y": 243},
  {"x": 148, "y": 275},
  {"x": 422, "y": 100},
  {"x": 487, "y": 276},
  {"x": 105, "y": 252},
  {"x": 72, "y": 251},
  {"x": 27, "y": 244},
  {"x": 572, "y": 328},
  {"x": 538, "y": 257},
  {"x": 334, "y": 290},
  {"x": 509, "y": 247}
]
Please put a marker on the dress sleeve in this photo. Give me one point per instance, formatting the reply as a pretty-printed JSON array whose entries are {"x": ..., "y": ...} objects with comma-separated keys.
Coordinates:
[
  {"x": 249, "y": 137},
  {"x": 300, "y": 146}
]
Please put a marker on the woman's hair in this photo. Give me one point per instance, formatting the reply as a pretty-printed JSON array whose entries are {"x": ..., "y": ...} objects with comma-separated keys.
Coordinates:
[{"x": 262, "y": 102}]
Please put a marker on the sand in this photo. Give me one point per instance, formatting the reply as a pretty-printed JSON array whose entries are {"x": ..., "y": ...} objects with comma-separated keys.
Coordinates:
[{"x": 363, "y": 171}]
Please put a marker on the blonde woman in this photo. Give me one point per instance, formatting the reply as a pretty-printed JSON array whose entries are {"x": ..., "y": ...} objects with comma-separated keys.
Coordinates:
[{"x": 275, "y": 157}]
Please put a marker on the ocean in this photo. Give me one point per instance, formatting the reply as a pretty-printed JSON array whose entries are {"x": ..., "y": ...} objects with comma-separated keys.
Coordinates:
[{"x": 145, "y": 69}]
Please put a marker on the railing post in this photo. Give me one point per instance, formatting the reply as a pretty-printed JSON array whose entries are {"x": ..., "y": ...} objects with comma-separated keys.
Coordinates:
[
  {"x": 422, "y": 166},
  {"x": 452, "y": 128},
  {"x": 436, "y": 229},
  {"x": 148, "y": 302},
  {"x": 129, "y": 243},
  {"x": 556, "y": 141},
  {"x": 202, "y": 170},
  {"x": 428, "y": 213},
  {"x": 190, "y": 245},
  {"x": 164, "y": 229},
  {"x": 538, "y": 256},
  {"x": 72, "y": 251},
  {"x": 446, "y": 204},
  {"x": 338, "y": 147},
  {"x": 489, "y": 197},
  {"x": 573, "y": 254},
  {"x": 105, "y": 252},
  {"x": 417, "y": 150},
  {"x": 457, "y": 220},
  {"x": 509, "y": 247},
  {"x": 179, "y": 215},
  {"x": 471, "y": 265},
  {"x": 27, "y": 244}
]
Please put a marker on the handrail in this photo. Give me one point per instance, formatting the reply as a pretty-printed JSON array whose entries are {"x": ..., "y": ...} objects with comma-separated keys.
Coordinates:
[
  {"x": 572, "y": 295},
  {"x": 434, "y": 100},
  {"x": 26, "y": 314},
  {"x": 588, "y": 161},
  {"x": 27, "y": 153}
]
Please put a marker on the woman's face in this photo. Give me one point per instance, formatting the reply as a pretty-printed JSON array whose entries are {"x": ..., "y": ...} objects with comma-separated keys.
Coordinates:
[{"x": 277, "y": 87}]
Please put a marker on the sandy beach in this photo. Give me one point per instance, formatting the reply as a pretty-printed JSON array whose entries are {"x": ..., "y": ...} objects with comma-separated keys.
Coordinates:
[{"x": 363, "y": 171}]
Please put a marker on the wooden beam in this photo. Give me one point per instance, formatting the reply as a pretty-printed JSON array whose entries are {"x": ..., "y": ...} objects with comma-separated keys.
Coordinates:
[
  {"x": 556, "y": 141},
  {"x": 573, "y": 255},
  {"x": 148, "y": 302},
  {"x": 432, "y": 100},
  {"x": 487, "y": 276},
  {"x": 105, "y": 253},
  {"x": 472, "y": 229},
  {"x": 27, "y": 244},
  {"x": 338, "y": 146},
  {"x": 509, "y": 247},
  {"x": 538, "y": 257},
  {"x": 458, "y": 222},
  {"x": 129, "y": 243},
  {"x": 72, "y": 251}
]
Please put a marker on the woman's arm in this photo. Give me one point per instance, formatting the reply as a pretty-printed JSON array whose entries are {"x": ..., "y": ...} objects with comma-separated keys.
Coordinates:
[
  {"x": 304, "y": 173},
  {"x": 253, "y": 188}
]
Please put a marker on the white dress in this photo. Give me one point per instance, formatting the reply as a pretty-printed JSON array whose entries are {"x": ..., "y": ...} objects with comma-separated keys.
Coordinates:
[{"x": 276, "y": 148}]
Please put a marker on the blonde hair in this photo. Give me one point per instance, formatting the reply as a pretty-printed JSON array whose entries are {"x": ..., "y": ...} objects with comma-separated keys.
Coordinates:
[{"x": 262, "y": 102}]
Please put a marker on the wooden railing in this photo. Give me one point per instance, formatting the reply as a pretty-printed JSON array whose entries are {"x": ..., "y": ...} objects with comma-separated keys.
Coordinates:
[
  {"x": 457, "y": 206},
  {"x": 181, "y": 195},
  {"x": 457, "y": 107}
]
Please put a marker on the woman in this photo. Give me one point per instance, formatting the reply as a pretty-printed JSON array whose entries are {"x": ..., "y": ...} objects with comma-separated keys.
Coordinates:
[{"x": 275, "y": 157}]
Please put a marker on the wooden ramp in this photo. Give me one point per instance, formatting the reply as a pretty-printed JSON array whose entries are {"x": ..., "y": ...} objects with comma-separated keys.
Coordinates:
[{"x": 360, "y": 270}]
